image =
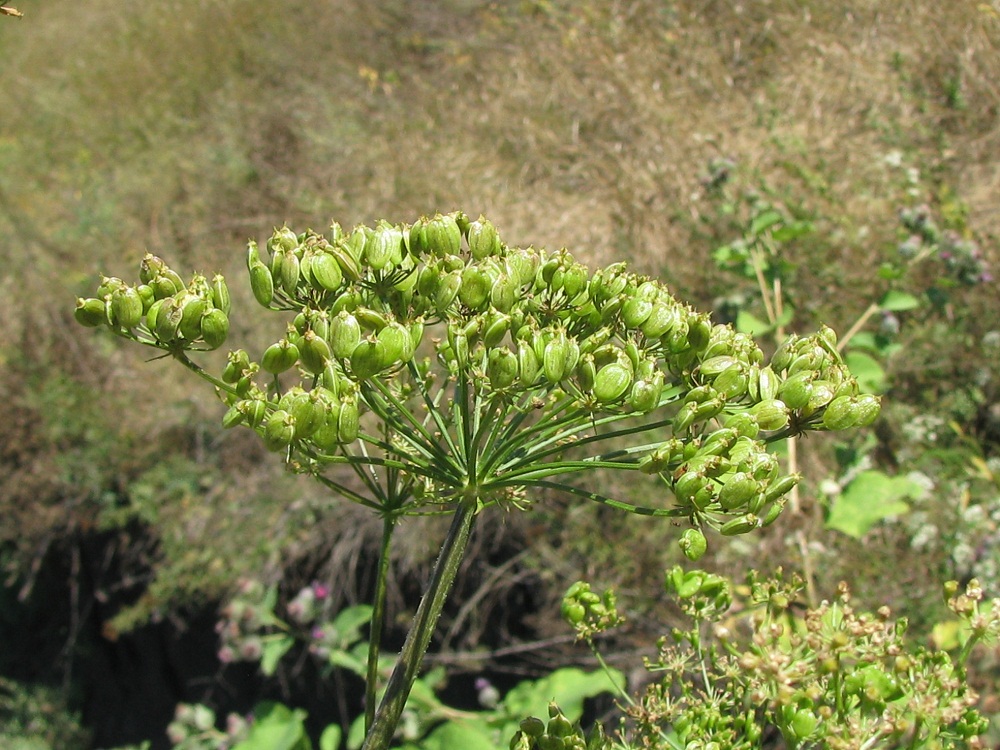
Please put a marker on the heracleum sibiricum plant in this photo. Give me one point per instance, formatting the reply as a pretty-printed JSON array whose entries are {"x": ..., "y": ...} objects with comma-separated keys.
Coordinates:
[{"x": 454, "y": 374}]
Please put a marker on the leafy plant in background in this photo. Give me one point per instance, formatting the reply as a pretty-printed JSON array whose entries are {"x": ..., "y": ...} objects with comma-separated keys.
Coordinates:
[
  {"x": 866, "y": 495},
  {"x": 826, "y": 676},
  {"x": 452, "y": 374}
]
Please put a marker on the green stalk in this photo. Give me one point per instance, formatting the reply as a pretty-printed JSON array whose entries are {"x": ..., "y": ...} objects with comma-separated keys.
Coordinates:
[
  {"x": 378, "y": 618},
  {"x": 379, "y": 735}
]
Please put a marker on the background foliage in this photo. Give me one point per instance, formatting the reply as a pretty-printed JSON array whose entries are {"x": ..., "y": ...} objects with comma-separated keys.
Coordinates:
[{"x": 649, "y": 131}]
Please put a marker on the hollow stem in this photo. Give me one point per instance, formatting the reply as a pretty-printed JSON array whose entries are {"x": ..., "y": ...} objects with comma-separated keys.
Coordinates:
[
  {"x": 378, "y": 619},
  {"x": 383, "y": 727}
]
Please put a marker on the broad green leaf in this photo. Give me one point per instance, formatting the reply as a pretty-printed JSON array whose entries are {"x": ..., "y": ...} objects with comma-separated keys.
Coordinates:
[
  {"x": 330, "y": 739},
  {"x": 949, "y": 635},
  {"x": 568, "y": 687},
  {"x": 350, "y": 620},
  {"x": 356, "y": 733},
  {"x": 276, "y": 727},
  {"x": 896, "y": 301},
  {"x": 273, "y": 648},
  {"x": 869, "y": 373},
  {"x": 871, "y": 497},
  {"x": 749, "y": 323},
  {"x": 464, "y": 733}
]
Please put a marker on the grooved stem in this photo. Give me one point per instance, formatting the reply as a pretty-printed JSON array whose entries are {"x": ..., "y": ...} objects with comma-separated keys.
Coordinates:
[{"x": 380, "y": 734}]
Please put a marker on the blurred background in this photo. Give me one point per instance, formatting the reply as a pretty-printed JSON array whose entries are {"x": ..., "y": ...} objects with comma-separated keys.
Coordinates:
[{"x": 653, "y": 131}]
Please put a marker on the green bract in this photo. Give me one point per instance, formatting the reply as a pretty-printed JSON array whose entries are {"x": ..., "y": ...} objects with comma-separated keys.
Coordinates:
[{"x": 447, "y": 369}]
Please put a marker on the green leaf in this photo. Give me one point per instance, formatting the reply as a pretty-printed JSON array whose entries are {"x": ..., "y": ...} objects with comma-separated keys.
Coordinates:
[
  {"x": 792, "y": 231},
  {"x": 276, "y": 727},
  {"x": 272, "y": 649},
  {"x": 896, "y": 301},
  {"x": 749, "y": 323},
  {"x": 568, "y": 687},
  {"x": 464, "y": 733},
  {"x": 356, "y": 733},
  {"x": 764, "y": 221},
  {"x": 869, "y": 498},
  {"x": 330, "y": 739},
  {"x": 348, "y": 623},
  {"x": 869, "y": 373}
]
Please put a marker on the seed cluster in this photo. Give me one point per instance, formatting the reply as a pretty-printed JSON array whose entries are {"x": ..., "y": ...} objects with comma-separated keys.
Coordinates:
[{"x": 491, "y": 369}]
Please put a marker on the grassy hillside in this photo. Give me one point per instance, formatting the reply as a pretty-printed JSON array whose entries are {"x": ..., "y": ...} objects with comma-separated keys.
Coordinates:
[{"x": 622, "y": 130}]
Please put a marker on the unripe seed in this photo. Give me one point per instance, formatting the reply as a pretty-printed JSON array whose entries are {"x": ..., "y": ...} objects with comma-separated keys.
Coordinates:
[
  {"x": 289, "y": 271},
  {"x": 527, "y": 364},
  {"x": 214, "y": 328},
  {"x": 496, "y": 330},
  {"x": 262, "y": 284},
  {"x": 504, "y": 293},
  {"x": 162, "y": 287},
  {"x": 150, "y": 267},
  {"x": 612, "y": 381},
  {"x": 279, "y": 357},
  {"x": 325, "y": 271},
  {"x": 147, "y": 296},
  {"x": 501, "y": 368},
  {"x": 741, "y": 525},
  {"x": 698, "y": 331},
  {"x": 555, "y": 358},
  {"x": 345, "y": 334},
  {"x": 442, "y": 236},
  {"x": 796, "y": 390},
  {"x": 327, "y": 436},
  {"x": 781, "y": 486},
  {"x": 737, "y": 491},
  {"x": 574, "y": 280},
  {"x": 450, "y": 284},
  {"x": 349, "y": 422},
  {"x": 732, "y": 383},
  {"x": 715, "y": 366},
  {"x": 635, "y": 311},
  {"x": 309, "y": 413},
  {"x": 126, "y": 307},
  {"x": 279, "y": 430},
  {"x": 767, "y": 384},
  {"x": 398, "y": 345},
  {"x": 220, "y": 294},
  {"x": 645, "y": 395},
  {"x": 664, "y": 318},
  {"x": 744, "y": 424},
  {"x": 483, "y": 239},
  {"x": 689, "y": 483},
  {"x": 192, "y": 309},
  {"x": 368, "y": 358},
  {"x": 236, "y": 362},
  {"x": 314, "y": 352},
  {"x": 685, "y": 417},
  {"x": 233, "y": 417},
  {"x": 168, "y": 320},
  {"x": 90, "y": 312},
  {"x": 820, "y": 396},
  {"x": 475, "y": 288},
  {"x": 693, "y": 544},
  {"x": 868, "y": 407},
  {"x": 770, "y": 415}
]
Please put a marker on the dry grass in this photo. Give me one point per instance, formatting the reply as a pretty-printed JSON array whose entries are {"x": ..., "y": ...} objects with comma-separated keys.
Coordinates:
[{"x": 185, "y": 127}]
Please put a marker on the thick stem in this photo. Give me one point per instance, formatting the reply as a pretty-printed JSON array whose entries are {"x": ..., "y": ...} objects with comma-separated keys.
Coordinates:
[
  {"x": 378, "y": 618},
  {"x": 383, "y": 728}
]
